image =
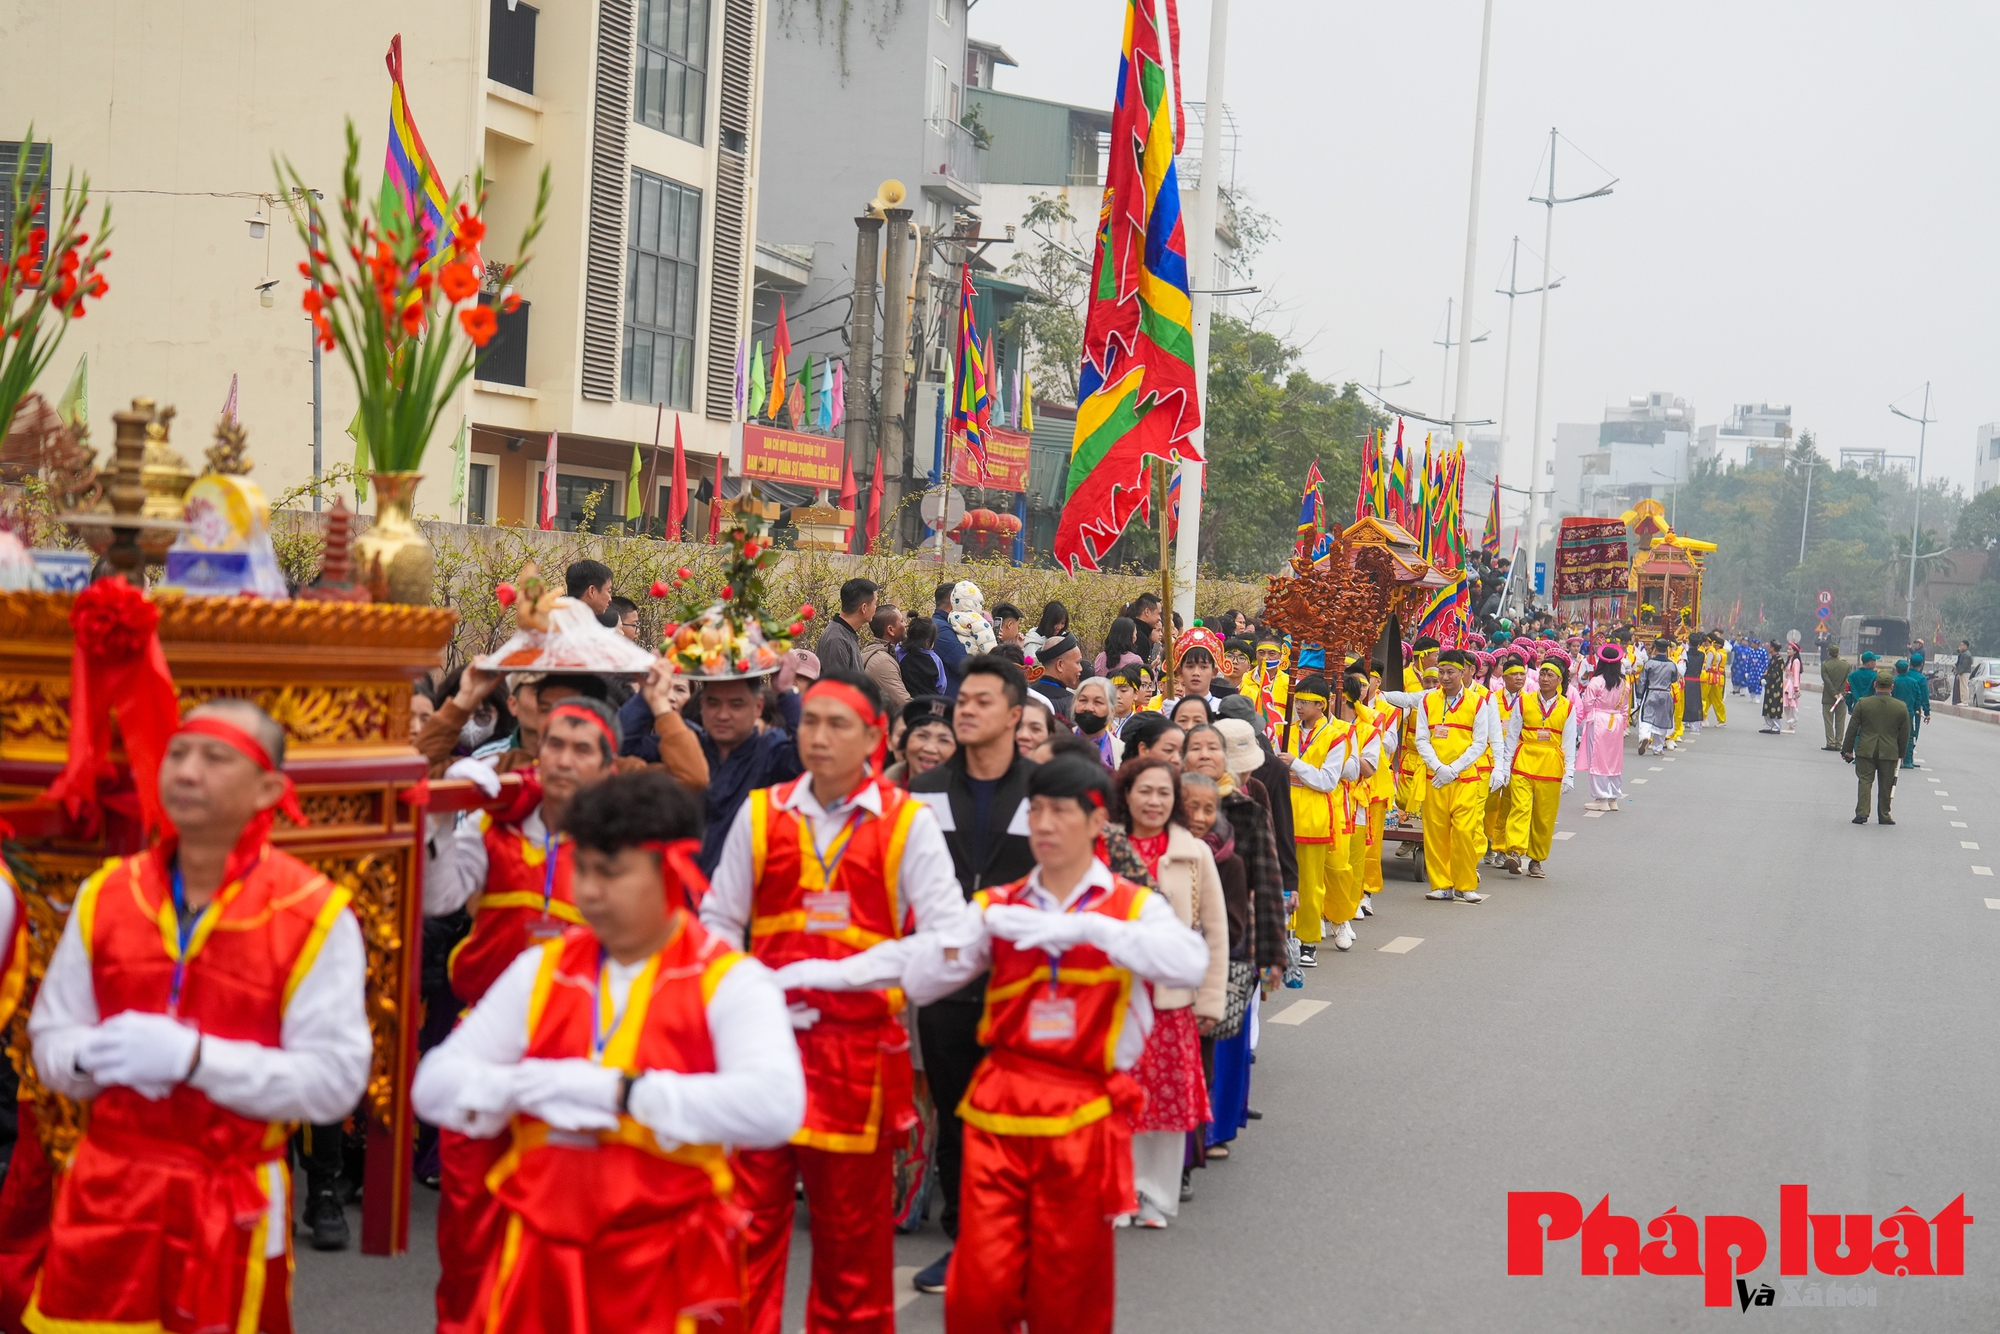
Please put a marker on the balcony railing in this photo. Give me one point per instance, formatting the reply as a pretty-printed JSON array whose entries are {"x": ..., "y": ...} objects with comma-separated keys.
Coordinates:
[
  {"x": 510, "y": 45},
  {"x": 955, "y": 153}
]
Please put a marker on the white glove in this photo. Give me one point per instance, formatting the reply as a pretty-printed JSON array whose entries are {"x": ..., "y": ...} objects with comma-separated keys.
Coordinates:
[
  {"x": 1499, "y": 780},
  {"x": 570, "y": 1094},
  {"x": 1033, "y": 929},
  {"x": 477, "y": 772},
  {"x": 1569, "y": 783},
  {"x": 149, "y": 1053},
  {"x": 812, "y": 975},
  {"x": 486, "y": 1102},
  {"x": 803, "y": 1016}
]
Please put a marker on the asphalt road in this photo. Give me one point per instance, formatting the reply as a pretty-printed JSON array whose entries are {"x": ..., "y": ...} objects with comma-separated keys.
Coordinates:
[{"x": 1723, "y": 988}]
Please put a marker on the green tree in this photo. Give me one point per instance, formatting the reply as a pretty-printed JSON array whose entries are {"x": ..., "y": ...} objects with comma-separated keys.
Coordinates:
[
  {"x": 1931, "y": 559},
  {"x": 1048, "y": 325},
  {"x": 1978, "y": 525}
]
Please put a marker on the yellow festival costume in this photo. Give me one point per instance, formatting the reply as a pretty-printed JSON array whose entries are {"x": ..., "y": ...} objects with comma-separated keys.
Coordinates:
[
  {"x": 1541, "y": 761},
  {"x": 1381, "y": 790},
  {"x": 1499, "y": 801},
  {"x": 1455, "y": 813},
  {"x": 1413, "y": 780},
  {"x": 1715, "y": 683},
  {"x": 1346, "y": 867},
  {"x": 1320, "y": 823}
]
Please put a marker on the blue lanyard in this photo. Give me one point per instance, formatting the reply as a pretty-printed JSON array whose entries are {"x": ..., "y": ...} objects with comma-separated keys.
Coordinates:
[
  {"x": 548, "y": 871},
  {"x": 600, "y": 1028},
  {"x": 184, "y": 929},
  {"x": 842, "y": 839}
]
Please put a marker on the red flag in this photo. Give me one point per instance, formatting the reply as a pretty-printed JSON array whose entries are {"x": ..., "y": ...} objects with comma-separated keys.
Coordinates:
[
  {"x": 548, "y": 515},
  {"x": 715, "y": 503},
  {"x": 781, "y": 347},
  {"x": 677, "y": 502},
  {"x": 846, "y": 501},
  {"x": 875, "y": 504}
]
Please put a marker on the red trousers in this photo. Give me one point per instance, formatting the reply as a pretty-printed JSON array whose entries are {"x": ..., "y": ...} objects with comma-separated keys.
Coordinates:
[
  {"x": 27, "y": 1199},
  {"x": 1035, "y": 1244},
  {"x": 850, "y": 1199},
  {"x": 469, "y": 1224},
  {"x": 663, "y": 1277}
]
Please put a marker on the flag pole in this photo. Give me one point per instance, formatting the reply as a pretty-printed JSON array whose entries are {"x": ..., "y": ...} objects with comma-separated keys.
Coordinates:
[
  {"x": 652, "y": 472},
  {"x": 1166, "y": 569},
  {"x": 1202, "y": 282}
]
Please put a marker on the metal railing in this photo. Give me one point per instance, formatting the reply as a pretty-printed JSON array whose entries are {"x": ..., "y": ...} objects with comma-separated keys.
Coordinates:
[{"x": 955, "y": 152}]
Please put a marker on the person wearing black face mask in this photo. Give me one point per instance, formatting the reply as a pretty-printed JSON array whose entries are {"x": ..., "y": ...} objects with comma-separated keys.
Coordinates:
[{"x": 1092, "y": 707}]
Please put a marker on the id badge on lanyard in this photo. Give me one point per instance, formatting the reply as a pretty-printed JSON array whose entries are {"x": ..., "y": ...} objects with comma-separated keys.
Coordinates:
[
  {"x": 828, "y": 910},
  {"x": 1052, "y": 1018},
  {"x": 546, "y": 928}
]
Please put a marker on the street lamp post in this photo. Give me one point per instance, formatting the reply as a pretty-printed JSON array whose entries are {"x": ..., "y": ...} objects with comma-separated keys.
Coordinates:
[
  {"x": 1917, "y": 499},
  {"x": 1458, "y": 405},
  {"x": 1536, "y": 489}
]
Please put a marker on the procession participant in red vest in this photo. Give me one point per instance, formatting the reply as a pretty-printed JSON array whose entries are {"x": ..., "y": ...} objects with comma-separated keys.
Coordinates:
[
  {"x": 614, "y": 1064},
  {"x": 823, "y": 876},
  {"x": 204, "y": 993},
  {"x": 1048, "y": 1137},
  {"x": 514, "y": 869}
]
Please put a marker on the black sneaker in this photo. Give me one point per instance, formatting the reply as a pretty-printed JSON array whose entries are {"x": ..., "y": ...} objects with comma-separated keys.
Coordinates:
[
  {"x": 327, "y": 1222},
  {"x": 931, "y": 1277},
  {"x": 1309, "y": 956}
]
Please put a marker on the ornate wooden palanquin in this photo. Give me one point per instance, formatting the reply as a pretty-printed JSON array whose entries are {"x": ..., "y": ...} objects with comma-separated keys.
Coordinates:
[{"x": 337, "y": 676}]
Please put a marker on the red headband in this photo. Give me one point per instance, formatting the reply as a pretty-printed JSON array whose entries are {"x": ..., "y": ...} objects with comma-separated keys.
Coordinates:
[
  {"x": 247, "y": 746},
  {"x": 870, "y": 715},
  {"x": 678, "y": 857},
  {"x": 582, "y": 714}
]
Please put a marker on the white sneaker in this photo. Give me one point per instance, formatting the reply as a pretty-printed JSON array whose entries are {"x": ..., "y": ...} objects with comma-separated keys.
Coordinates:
[
  {"x": 1439, "y": 895},
  {"x": 1367, "y": 905},
  {"x": 1343, "y": 937}
]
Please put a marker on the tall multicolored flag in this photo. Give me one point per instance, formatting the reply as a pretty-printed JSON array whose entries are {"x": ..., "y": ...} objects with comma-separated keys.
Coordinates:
[
  {"x": 1399, "y": 482},
  {"x": 1363, "y": 487},
  {"x": 781, "y": 347},
  {"x": 1311, "y": 511},
  {"x": 971, "y": 408},
  {"x": 1137, "y": 388},
  {"x": 408, "y": 174}
]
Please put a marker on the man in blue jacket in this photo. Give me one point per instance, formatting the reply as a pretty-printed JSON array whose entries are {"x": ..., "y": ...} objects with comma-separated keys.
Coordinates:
[
  {"x": 949, "y": 650},
  {"x": 1915, "y": 692},
  {"x": 1861, "y": 681}
]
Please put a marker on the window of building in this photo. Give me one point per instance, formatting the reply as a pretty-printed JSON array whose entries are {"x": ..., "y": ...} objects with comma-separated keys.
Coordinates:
[
  {"x": 480, "y": 481},
  {"x": 944, "y": 10},
  {"x": 588, "y": 500},
  {"x": 939, "y": 90},
  {"x": 36, "y": 176},
  {"x": 672, "y": 66},
  {"x": 662, "y": 279}
]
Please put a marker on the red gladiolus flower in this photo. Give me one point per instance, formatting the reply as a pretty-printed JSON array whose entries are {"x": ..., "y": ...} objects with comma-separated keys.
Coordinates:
[
  {"x": 806, "y": 612},
  {"x": 458, "y": 282},
  {"x": 511, "y": 302},
  {"x": 505, "y": 594},
  {"x": 480, "y": 324},
  {"x": 413, "y": 319},
  {"x": 659, "y": 590},
  {"x": 470, "y": 231},
  {"x": 312, "y": 300}
]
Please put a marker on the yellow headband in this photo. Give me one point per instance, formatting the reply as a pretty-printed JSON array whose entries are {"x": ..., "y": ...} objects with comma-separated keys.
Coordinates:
[{"x": 1304, "y": 694}]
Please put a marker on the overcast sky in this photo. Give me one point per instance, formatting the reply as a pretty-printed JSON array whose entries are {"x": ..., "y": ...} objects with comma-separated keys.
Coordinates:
[{"x": 1805, "y": 211}]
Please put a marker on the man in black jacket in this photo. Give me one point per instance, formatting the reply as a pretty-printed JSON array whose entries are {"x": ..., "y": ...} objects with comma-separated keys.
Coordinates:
[
  {"x": 1276, "y": 776},
  {"x": 980, "y": 797}
]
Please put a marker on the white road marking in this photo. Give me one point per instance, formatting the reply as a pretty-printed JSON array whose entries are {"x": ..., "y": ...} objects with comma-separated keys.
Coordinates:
[
  {"x": 1982, "y": 870},
  {"x": 1642, "y": 780},
  {"x": 1993, "y": 903},
  {"x": 1958, "y": 824},
  {"x": 1655, "y": 769},
  {"x": 1561, "y": 834},
  {"x": 905, "y": 1294},
  {"x": 1963, "y": 844},
  {"x": 1298, "y": 1012},
  {"x": 1936, "y": 793},
  {"x": 1947, "y": 808},
  {"x": 1593, "y": 815},
  {"x": 1401, "y": 945}
]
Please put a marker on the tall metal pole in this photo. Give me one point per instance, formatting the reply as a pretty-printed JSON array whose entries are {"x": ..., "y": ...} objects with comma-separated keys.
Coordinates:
[
  {"x": 1445, "y": 373},
  {"x": 1805, "y": 517},
  {"x": 861, "y": 343},
  {"x": 1458, "y": 406},
  {"x": 1917, "y": 504},
  {"x": 313, "y": 335},
  {"x": 895, "y": 337},
  {"x": 1539, "y": 464},
  {"x": 1208, "y": 213}
]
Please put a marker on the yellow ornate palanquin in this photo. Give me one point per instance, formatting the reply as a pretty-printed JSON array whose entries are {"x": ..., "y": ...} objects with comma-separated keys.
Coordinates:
[{"x": 337, "y": 676}]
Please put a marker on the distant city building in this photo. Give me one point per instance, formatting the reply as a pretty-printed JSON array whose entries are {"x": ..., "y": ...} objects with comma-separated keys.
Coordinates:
[
  {"x": 1640, "y": 449},
  {"x": 1755, "y": 435},
  {"x": 1986, "y": 458}
]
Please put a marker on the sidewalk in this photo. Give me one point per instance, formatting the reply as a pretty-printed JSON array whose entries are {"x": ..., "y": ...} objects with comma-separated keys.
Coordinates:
[{"x": 1991, "y": 717}]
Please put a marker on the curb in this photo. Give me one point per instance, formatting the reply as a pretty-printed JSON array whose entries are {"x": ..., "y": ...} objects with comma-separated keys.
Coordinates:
[{"x": 1990, "y": 717}]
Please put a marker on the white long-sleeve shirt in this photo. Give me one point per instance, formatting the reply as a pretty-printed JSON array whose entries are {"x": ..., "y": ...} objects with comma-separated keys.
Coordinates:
[
  {"x": 456, "y": 869},
  {"x": 1343, "y": 761},
  {"x": 1483, "y": 728},
  {"x": 316, "y": 1074},
  {"x": 1508, "y": 732},
  {"x": 1158, "y": 946},
  {"x": 755, "y": 1099},
  {"x": 926, "y": 882}
]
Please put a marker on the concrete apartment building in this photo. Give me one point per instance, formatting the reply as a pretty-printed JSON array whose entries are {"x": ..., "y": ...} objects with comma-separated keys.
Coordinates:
[
  {"x": 1754, "y": 435},
  {"x": 1986, "y": 458},
  {"x": 645, "y": 112},
  {"x": 1640, "y": 449}
]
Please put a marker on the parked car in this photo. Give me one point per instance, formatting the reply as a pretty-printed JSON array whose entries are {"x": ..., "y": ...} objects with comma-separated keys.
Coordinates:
[{"x": 1983, "y": 687}]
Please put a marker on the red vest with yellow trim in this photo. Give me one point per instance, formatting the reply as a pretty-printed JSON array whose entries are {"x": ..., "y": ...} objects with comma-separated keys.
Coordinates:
[
  {"x": 1052, "y": 1063},
  {"x": 1540, "y": 754},
  {"x": 249, "y": 953},
  {"x": 857, "y": 1056},
  {"x": 507, "y": 916},
  {"x": 13, "y": 952}
]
